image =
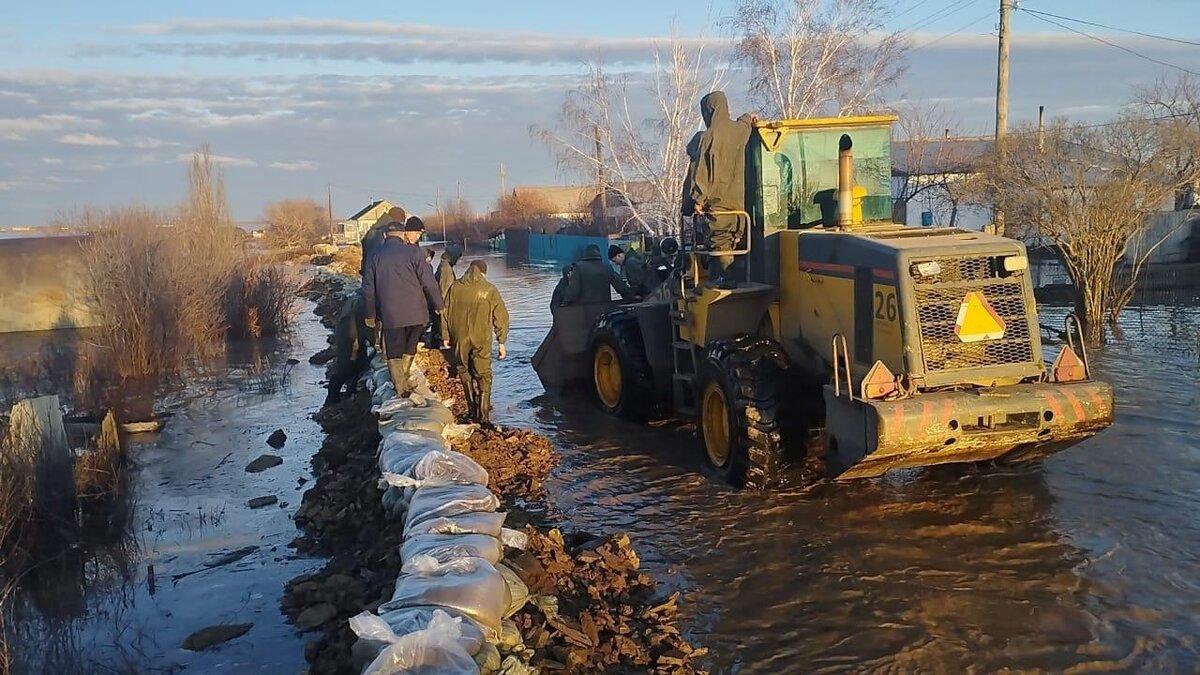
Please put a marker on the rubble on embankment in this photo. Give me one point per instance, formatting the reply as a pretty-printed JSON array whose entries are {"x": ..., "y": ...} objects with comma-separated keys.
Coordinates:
[{"x": 589, "y": 609}]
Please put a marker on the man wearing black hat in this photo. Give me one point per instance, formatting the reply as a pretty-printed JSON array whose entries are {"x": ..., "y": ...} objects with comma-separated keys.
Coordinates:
[
  {"x": 398, "y": 292},
  {"x": 591, "y": 278},
  {"x": 633, "y": 266}
]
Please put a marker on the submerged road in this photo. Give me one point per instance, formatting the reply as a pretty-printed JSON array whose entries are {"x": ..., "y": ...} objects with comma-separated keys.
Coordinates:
[{"x": 1085, "y": 561}]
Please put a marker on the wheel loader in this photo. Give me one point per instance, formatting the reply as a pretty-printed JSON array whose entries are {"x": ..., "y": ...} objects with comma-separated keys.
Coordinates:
[{"x": 894, "y": 346}]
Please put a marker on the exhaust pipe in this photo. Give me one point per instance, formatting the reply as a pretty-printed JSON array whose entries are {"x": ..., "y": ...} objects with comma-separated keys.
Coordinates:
[{"x": 845, "y": 188}]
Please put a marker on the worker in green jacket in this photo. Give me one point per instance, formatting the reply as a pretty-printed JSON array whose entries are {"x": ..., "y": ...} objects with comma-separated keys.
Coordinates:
[
  {"x": 444, "y": 275},
  {"x": 474, "y": 312}
]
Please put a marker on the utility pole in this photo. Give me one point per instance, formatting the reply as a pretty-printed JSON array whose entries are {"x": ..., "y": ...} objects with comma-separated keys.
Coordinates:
[
  {"x": 329, "y": 196},
  {"x": 600, "y": 176},
  {"x": 1041, "y": 128},
  {"x": 1006, "y": 7},
  {"x": 437, "y": 205},
  {"x": 501, "y": 180}
]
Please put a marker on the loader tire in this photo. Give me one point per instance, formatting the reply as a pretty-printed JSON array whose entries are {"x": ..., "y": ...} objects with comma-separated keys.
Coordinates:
[
  {"x": 739, "y": 413},
  {"x": 621, "y": 379}
]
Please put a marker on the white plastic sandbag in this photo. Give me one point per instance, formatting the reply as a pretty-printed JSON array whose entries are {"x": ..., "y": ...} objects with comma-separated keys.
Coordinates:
[
  {"x": 518, "y": 592},
  {"x": 400, "y": 451},
  {"x": 412, "y": 619},
  {"x": 459, "y": 432},
  {"x": 490, "y": 523},
  {"x": 447, "y": 547},
  {"x": 393, "y": 405},
  {"x": 439, "y": 467},
  {"x": 470, "y": 586},
  {"x": 436, "y": 501},
  {"x": 514, "y": 538},
  {"x": 436, "y": 650},
  {"x": 432, "y": 418}
]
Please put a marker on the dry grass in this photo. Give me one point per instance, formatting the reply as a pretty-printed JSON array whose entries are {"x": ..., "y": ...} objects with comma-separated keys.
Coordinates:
[
  {"x": 350, "y": 257},
  {"x": 172, "y": 287}
]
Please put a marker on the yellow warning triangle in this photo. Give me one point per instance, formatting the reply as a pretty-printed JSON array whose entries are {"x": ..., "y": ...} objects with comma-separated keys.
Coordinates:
[{"x": 977, "y": 320}]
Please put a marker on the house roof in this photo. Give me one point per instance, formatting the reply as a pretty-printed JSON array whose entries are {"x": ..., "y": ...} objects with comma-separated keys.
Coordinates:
[
  {"x": 924, "y": 157},
  {"x": 367, "y": 209},
  {"x": 559, "y": 198}
]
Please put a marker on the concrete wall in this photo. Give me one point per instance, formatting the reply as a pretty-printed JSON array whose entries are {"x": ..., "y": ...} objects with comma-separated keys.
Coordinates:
[{"x": 42, "y": 284}]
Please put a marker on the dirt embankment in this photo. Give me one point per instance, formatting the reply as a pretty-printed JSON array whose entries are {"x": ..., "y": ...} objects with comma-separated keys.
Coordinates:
[{"x": 610, "y": 616}]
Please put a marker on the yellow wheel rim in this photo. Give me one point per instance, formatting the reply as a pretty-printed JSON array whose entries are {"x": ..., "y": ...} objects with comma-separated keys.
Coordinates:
[
  {"x": 606, "y": 371},
  {"x": 714, "y": 418}
]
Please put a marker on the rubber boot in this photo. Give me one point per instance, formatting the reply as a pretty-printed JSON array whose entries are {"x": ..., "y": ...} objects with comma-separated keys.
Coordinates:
[
  {"x": 399, "y": 369},
  {"x": 472, "y": 394},
  {"x": 485, "y": 409}
]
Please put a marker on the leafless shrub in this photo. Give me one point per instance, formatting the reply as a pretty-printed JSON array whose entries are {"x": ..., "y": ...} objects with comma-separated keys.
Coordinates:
[
  {"x": 295, "y": 223},
  {"x": 260, "y": 300}
]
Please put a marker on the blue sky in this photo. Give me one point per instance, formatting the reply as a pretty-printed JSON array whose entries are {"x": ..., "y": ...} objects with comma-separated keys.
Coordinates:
[{"x": 98, "y": 101}]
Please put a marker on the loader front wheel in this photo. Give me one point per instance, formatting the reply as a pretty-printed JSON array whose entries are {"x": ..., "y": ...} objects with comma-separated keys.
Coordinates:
[
  {"x": 620, "y": 372},
  {"x": 739, "y": 416}
]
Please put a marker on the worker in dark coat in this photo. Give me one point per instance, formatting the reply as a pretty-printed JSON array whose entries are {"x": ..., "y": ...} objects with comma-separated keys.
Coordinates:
[
  {"x": 444, "y": 275},
  {"x": 591, "y": 279},
  {"x": 374, "y": 236},
  {"x": 560, "y": 289},
  {"x": 718, "y": 180},
  {"x": 350, "y": 341},
  {"x": 475, "y": 312},
  {"x": 634, "y": 266},
  {"x": 398, "y": 292}
]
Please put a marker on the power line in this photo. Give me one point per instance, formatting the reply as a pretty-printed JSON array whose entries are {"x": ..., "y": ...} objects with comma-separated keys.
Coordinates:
[
  {"x": 943, "y": 13},
  {"x": 1107, "y": 27},
  {"x": 989, "y": 13},
  {"x": 911, "y": 7},
  {"x": 1112, "y": 44}
]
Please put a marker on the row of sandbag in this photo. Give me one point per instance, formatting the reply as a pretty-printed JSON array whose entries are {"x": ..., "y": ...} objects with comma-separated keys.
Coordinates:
[{"x": 449, "y": 611}]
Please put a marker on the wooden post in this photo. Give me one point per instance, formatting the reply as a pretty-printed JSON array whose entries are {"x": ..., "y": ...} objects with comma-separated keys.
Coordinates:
[{"x": 36, "y": 427}]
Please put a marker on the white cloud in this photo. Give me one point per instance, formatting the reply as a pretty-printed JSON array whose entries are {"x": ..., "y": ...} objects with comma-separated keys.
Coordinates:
[
  {"x": 89, "y": 140},
  {"x": 51, "y": 161},
  {"x": 5, "y": 187},
  {"x": 307, "y": 26},
  {"x": 18, "y": 128},
  {"x": 220, "y": 159},
  {"x": 152, "y": 143},
  {"x": 298, "y": 165}
]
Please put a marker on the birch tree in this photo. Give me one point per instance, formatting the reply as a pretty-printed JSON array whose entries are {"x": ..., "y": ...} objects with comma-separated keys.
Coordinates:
[
  {"x": 813, "y": 58},
  {"x": 640, "y": 158},
  {"x": 932, "y": 160}
]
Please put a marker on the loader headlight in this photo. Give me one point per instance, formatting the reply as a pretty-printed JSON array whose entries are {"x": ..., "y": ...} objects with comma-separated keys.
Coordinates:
[
  {"x": 1016, "y": 263},
  {"x": 929, "y": 268}
]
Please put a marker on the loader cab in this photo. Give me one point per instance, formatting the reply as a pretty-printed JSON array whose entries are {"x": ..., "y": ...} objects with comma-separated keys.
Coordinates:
[{"x": 793, "y": 180}]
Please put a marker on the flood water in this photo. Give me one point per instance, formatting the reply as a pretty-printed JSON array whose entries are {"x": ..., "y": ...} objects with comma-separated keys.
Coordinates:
[
  {"x": 99, "y": 611},
  {"x": 1086, "y": 561}
]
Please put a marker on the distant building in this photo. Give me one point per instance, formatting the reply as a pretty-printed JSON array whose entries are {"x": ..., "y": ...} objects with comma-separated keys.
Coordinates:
[
  {"x": 352, "y": 229},
  {"x": 925, "y": 173},
  {"x": 580, "y": 205}
]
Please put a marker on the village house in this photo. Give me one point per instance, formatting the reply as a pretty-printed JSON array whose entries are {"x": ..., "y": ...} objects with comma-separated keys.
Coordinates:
[{"x": 352, "y": 229}]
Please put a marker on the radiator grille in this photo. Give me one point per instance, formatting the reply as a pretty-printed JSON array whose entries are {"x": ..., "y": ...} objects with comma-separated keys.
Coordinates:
[{"x": 938, "y": 299}]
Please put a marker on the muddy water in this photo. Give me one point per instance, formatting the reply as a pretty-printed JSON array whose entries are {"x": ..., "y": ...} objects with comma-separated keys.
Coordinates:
[
  {"x": 1089, "y": 560},
  {"x": 103, "y": 614}
]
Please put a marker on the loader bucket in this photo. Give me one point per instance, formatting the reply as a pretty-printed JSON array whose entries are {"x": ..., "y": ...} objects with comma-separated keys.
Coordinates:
[
  {"x": 564, "y": 360},
  {"x": 867, "y": 438}
]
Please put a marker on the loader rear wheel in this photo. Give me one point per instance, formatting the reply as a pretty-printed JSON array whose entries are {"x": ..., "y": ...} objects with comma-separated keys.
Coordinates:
[
  {"x": 620, "y": 372},
  {"x": 739, "y": 416}
]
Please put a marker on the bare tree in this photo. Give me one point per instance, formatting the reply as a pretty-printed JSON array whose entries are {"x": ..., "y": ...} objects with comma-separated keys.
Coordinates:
[
  {"x": 932, "y": 159},
  {"x": 642, "y": 159},
  {"x": 808, "y": 58},
  {"x": 1173, "y": 107},
  {"x": 294, "y": 223},
  {"x": 1087, "y": 192}
]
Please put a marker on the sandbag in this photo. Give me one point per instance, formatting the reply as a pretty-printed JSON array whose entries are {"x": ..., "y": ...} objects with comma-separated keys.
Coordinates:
[
  {"x": 490, "y": 523},
  {"x": 471, "y": 586},
  {"x": 432, "y": 418},
  {"x": 439, "y": 467},
  {"x": 436, "y": 650},
  {"x": 400, "y": 451},
  {"x": 514, "y": 538},
  {"x": 447, "y": 547},
  {"x": 436, "y": 501},
  {"x": 412, "y": 619},
  {"x": 518, "y": 592}
]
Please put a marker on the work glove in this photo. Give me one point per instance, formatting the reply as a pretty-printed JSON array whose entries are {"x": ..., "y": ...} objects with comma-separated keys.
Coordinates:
[
  {"x": 503, "y": 352},
  {"x": 371, "y": 322}
]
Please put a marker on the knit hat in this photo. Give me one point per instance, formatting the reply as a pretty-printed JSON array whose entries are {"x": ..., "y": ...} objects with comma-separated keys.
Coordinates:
[
  {"x": 414, "y": 224},
  {"x": 397, "y": 214},
  {"x": 614, "y": 251}
]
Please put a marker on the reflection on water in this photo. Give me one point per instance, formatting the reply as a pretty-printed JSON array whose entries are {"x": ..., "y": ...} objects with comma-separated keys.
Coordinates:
[
  {"x": 125, "y": 604},
  {"x": 1086, "y": 560}
]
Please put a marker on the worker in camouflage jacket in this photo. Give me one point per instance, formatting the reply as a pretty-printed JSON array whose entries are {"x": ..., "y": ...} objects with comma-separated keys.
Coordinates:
[
  {"x": 474, "y": 313},
  {"x": 444, "y": 275}
]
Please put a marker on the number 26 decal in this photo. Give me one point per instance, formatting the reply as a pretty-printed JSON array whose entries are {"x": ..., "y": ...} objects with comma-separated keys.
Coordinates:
[{"x": 885, "y": 306}]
